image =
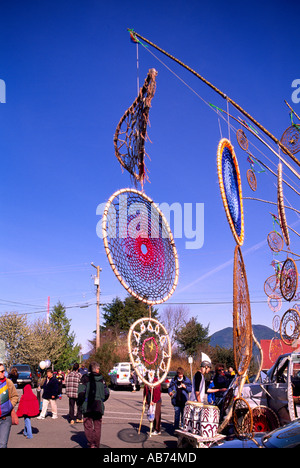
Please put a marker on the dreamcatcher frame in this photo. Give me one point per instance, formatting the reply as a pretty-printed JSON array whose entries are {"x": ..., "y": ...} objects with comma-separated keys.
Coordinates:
[
  {"x": 242, "y": 322},
  {"x": 110, "y": 252},
  {"x": 136, "y": 120},
  {"x": 291, "y": 315},
  {"x": 137, "y": 363},
  {"x": 288, "y": 285},
  {"x": 226, "y": 189}
]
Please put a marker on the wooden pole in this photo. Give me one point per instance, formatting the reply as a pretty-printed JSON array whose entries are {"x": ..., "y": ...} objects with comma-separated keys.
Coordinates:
[{"x": 237, "y": 106}]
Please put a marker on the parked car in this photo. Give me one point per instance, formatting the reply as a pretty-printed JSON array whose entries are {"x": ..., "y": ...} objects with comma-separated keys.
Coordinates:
[
  {"x": 287, "y": 436},
  {"x": 280, "y": 390},
  {"x": 120, "y": 375},
  {"x": 166, "y": 383},
  {"x": 26, "y": 375}
]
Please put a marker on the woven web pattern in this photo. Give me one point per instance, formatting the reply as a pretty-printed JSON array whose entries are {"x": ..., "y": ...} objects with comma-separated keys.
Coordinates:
[
  {"x": 149, "y": 350},
  {"x": 289, "y": 279},
  {"x": 140, "y": 246},
  {"x": 131, "y": 132},
  {"x": 290, "y": 326},
  {"x": 242, "y": 323},
  {"x": 291, "y": 138},
  {"x": 231, "y": 189}
]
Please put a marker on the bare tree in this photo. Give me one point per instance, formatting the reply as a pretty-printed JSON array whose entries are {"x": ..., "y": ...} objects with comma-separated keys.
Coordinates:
[
  {"x": 174, "y": 318},
  {"x": 14, "y": 331},
  {"x": 29, "y": 343}
]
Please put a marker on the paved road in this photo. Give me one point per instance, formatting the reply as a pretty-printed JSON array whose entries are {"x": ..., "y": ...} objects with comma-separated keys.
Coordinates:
[{"x": 119, "y": 429}]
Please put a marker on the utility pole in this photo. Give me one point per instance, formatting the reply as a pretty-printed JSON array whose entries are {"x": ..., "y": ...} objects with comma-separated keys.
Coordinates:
[{"x": 97, "y": 283}]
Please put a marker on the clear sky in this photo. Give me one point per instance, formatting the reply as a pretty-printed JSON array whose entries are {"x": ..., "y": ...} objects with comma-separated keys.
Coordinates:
[{"x": 70, "y": 73}]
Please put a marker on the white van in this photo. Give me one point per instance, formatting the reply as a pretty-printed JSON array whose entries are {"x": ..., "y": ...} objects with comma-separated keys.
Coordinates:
[{"x": 120, "y": 375}]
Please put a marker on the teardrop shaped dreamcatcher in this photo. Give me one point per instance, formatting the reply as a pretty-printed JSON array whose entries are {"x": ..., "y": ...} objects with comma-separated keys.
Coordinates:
[{"x": 231, "y": 188}]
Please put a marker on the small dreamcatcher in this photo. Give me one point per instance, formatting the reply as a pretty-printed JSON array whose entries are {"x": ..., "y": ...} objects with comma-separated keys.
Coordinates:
[
  {"x": 272, "y": 285},
  {"x": 264, "y": 419},
  {"x": 291, "y": 138},
  {"x": 290, "y": 326},
  {"x": 242, "y": 419},
  {"x": 149, "y": 350},
  {"x": 280, "y": 206},
  {"x": 274, "y": 302},
  {"x": 242, "y": 139},
  {"x": 231, "y": 188},
  {"x": 242, "y": 323},
  {"x": 251, "y": 178},
  {"x": 131, "y": 132},
  {"x": 275, "y": 348},
  {"x": 275, "y": 241},
  {"x": 276, "y": 323},
  {"x": 140, "y": 246},
  {"x": 289, "y": 279}
]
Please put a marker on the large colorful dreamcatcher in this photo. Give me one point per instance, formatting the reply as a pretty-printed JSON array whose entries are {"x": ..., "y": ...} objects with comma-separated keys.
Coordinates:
[
  {"x": 140, "y": 246},
  {"x": 289, "y": 279},
  {"x": 242, "y": 323},
  {"x": 131, "y": 132},
  {"x": 231, "y": 188},
  {"x": 149, "y": 350},
  {"x": 290, "y": 326}
]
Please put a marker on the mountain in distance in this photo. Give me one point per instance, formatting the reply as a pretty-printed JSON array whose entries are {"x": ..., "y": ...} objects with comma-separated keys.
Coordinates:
[{"x": 224, "y": 339}]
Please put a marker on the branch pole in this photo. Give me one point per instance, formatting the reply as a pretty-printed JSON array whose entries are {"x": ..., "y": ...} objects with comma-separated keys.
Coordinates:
[{"x": 224, "y": 96}]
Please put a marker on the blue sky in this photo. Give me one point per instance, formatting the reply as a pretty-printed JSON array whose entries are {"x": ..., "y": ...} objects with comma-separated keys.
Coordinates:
[{"x": 70, "y": 73}]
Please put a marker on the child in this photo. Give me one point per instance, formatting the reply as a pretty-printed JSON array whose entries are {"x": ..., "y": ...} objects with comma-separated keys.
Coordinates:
[{"x": 28, "y": 408}]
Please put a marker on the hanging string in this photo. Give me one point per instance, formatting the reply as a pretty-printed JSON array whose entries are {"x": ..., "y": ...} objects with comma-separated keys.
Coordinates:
[
  {"x": 137, "y": 68},
  {"x": 228, "y": 121}
]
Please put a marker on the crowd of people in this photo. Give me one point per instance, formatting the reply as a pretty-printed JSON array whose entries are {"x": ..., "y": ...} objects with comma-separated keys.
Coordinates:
[
  {"x": 87, "y": 392},
  {"x": 85, "y": 388}
]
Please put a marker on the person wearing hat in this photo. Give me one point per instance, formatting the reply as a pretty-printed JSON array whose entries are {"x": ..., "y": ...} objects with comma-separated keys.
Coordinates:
[{"x": 198, "y": 387}]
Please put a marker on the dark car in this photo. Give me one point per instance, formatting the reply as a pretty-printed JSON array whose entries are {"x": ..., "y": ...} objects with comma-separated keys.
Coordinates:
[
  {"x": 26, "y": 375},
  {"x": 166, "y": 383},
  {"x": 287, "y": 436}
]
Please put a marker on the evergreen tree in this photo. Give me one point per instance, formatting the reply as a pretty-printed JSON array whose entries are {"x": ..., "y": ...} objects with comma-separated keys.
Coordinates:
[
  {"x": 190, "y": 336},
  {"x": 122, "y": 314},
  {"x": 61, "y": 323}
]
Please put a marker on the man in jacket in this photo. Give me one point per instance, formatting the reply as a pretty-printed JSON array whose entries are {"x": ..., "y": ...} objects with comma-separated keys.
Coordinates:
[
  {"x": 8, "y": 400},
  {"x": 51, "y": 390},
  {"x": 179, "y": 390},
  {"x": 92, "y": 393},
  {"x": 72, "y": 383}
]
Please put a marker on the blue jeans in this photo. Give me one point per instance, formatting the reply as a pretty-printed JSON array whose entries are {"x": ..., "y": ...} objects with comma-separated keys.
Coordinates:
[
  {"x": 27, "y": 428},
  {"x": 5, "y": 426},
  {"x": 178, "y": 412}
]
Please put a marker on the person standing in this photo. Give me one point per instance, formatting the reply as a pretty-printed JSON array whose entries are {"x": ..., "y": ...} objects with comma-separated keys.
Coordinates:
[
  {"x": 198, "y": 386},
  {"x": 60, "y": 379},
  {"x": 28, "y": 408},
  {"x": 72, "y": 383},
  {"x": 179, "y": 390},
  {"x": 153, "y": 397},
  {"x": 50, "y": 395},
  {"x": 92, "y": 393},
  {"x": 8, "y": 400}
]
